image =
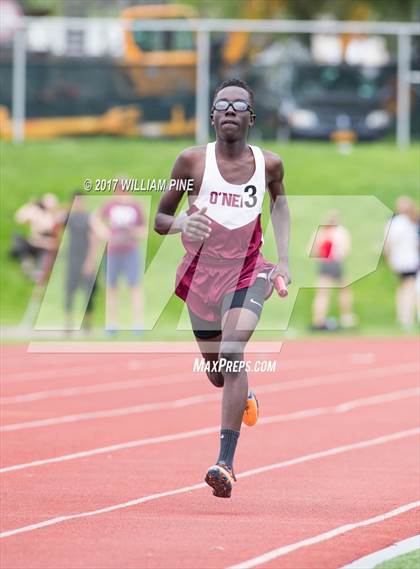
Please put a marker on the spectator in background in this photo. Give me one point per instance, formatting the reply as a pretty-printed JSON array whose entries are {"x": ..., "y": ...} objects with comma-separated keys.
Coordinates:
[
  {"x": 126, "y": 225},
  {"x": 45, "y": 219},
  {"x": 81, "y": 259},
  {"x": 37, "y": 251},
  {"x": 331, "y": 245},
  {"x": 402, "y": 253}
]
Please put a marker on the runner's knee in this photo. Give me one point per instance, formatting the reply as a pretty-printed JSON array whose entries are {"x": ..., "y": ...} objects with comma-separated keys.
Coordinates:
[
  {"x": 216, "y": 378},
  {"x": 231, "y": 356}
]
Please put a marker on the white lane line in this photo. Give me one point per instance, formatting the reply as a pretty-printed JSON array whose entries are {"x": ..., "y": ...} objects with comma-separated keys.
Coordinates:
[
  {"x": 285, "y": 549},
  {"x": 267, "y": 468},
  {"x": 119, "y": 412},
  {"x": 135, "y": 365},
  {"x": 343, "y": 407},
  {"x": 52, "y": 373},
  {"x": 124, "y": 384},
  {"x": 96, "y": 388},
  {"x": 130, "y": 384},
  {"x": 113, "y": 448},
  {"x": 293, "y": 416},
  {"x": 376, "y": 399},
  {"x": 199, "y": 399},
  {"x": 73, "y": 371},
  {"x": 394, "y": 550},
  {"x": 363, "y": 358},
  {"x": 333, "y": 451}
]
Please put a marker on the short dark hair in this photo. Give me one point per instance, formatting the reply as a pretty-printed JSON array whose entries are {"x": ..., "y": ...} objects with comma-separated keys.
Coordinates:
[{"x": 236, "y": 83}]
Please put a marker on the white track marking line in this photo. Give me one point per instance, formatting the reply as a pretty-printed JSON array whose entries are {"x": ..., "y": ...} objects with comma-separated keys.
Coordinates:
[
  {"x": 377, "y": 399},
  {"x": 293, "y": 416},
  {"x": 285, "y": 549},
  {"x": 118, "y": 412},
  {"x": 69, "y": 371},
  {"x": 169, "y": 379},
  {"x": 331, "y": 452},
  {"x": 359, "y": 359},
  {"x": 49, "y": 373},
  {"x": 394, "y": 550},
  {"x": 363, "y": 358},
  {"x": 343, "y": 407},
  {"x": 199, "y": 399},
  {"x": 278, "y": 465},
  {"x": 130, "y": 384},
  {"x": 113, "y": 448},
  {"x": 126, "y": 384}
]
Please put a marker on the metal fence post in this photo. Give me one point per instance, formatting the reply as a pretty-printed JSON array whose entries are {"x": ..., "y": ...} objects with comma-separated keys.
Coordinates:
[
  {"x": 403, "y": 90},
  {"x": 202, "y": 87},
  {"x": 19, "y": 84}
]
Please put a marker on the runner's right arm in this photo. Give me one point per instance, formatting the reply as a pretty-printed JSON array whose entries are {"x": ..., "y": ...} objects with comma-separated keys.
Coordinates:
[{"x": 195, "y": 226}]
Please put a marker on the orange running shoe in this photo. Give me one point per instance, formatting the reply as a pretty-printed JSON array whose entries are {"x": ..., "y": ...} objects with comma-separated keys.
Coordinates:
[
  {"x": 251, "y": 410},
  {"x": 221, "y": 478}
]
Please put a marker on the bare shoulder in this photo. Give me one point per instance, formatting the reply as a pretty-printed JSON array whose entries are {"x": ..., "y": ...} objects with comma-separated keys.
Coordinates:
[
  {"x": 186, "y": 162},
  {"x": 192, "y": 153},
  {"x": 273, "y": 165}
]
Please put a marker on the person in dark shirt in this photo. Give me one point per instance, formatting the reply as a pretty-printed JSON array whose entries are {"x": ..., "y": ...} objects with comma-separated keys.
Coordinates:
[{"x": 80, "y": 259}]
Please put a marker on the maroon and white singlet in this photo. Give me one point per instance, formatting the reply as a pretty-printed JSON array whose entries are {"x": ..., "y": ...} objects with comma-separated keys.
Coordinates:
[{"x": 230, "y": 258}]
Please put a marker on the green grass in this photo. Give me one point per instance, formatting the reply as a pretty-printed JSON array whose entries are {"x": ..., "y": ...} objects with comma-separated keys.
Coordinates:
[
  {"x": 406, "y": 561},
  {"x": 379, "y": 170}
]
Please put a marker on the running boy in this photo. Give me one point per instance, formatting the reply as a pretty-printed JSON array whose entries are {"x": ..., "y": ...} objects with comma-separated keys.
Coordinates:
[{"x": 223, "y": 277}]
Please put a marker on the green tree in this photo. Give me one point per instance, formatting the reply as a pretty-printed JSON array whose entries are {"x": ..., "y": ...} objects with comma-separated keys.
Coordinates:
[{"x": 310, "y": 9}]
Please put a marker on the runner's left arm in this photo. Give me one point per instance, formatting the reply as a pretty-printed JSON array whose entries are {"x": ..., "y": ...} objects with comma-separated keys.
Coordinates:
[{"x": 280, "y": 216}]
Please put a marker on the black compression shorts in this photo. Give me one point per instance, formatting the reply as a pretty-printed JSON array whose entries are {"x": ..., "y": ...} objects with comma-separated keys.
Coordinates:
[{"x": 251, "y": 298}]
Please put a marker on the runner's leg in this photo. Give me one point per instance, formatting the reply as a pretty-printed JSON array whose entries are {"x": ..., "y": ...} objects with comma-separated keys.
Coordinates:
[
  {"x": 208, "y": 336},
  {"x": 238, "y": 327}
]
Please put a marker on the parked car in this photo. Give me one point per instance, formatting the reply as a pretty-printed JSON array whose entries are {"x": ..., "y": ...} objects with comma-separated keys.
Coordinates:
[{"x": 326, "y": 100}]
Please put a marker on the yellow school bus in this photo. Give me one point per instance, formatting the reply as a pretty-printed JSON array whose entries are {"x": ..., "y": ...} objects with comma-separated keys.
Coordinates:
[{"x": 159, "y": 62}]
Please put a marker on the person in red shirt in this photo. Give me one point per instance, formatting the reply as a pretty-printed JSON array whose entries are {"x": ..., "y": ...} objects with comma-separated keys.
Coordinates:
[
  {"x": 331, "y": 245},
  {"x": 125, "y": 226}
]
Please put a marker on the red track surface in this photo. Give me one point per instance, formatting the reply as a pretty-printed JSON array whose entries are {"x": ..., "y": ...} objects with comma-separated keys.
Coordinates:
[{"x": 352, "y": 462}]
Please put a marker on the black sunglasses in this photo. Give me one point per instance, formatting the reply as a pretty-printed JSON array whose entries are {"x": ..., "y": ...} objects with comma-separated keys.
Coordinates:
[{"x": 240, "y": 106}]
